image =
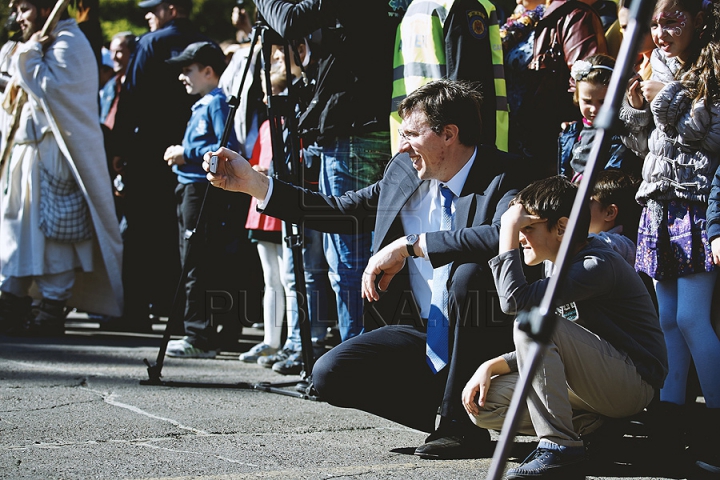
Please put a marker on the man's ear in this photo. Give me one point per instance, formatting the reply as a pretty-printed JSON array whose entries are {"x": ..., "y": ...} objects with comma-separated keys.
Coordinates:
[
  {"x": 561, "y": 226},
  {"x": 450, "y": 133}
]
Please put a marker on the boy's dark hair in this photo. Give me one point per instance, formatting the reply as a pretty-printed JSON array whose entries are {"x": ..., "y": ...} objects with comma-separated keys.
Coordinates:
[
  {"x": 448, "y": 102},
  {"x": 552, "y": 198},
  {"x": 619, "y": 188}
]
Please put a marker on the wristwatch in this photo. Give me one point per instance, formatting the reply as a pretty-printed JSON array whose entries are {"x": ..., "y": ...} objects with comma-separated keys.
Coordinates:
[{"x": 411, "y": 240}]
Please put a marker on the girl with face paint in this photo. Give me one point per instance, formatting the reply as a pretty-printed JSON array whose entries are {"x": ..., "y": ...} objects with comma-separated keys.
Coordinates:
[{"x": 678, "y": 131}]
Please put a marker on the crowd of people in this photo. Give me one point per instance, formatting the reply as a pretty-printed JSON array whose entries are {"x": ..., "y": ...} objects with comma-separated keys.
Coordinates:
[{"x": 429, "y": 168}]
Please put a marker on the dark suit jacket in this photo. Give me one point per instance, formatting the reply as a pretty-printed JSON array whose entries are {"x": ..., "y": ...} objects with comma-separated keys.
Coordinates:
[{"x": 484, "y": 199}]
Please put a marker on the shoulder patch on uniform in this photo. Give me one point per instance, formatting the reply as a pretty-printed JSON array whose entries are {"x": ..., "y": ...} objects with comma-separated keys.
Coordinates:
[{"x": 477, "y": 23}]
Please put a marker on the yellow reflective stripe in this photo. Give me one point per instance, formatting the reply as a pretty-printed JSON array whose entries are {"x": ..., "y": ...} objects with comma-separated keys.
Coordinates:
[{"x": 502, "y": 117}]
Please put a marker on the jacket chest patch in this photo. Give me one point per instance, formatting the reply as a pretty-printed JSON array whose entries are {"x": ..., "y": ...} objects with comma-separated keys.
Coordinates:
[{"x": 202, "y": 127}]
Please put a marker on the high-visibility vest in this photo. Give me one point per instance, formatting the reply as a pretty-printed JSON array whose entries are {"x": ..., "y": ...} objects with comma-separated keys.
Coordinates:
[{"x": 423, "y": 60}]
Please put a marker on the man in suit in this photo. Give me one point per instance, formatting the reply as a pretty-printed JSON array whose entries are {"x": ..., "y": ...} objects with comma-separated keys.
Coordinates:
[{"x": 393, "y": 370}]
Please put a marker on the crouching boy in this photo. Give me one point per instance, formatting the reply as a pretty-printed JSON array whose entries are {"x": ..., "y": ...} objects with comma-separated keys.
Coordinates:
[{"x": 606, "y": 355}]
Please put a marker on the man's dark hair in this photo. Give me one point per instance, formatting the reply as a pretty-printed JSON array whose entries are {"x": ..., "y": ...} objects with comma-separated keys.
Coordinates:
[
  {"x": 552, "y": 198},
  {"x": 447, "y": 102}
]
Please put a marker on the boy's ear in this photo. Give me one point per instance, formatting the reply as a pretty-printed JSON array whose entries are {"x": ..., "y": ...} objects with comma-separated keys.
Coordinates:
[
  {"x": 611, "y": 212},
  {"x": 208, "y": 71},
  {"x": 561, "y": 226}
]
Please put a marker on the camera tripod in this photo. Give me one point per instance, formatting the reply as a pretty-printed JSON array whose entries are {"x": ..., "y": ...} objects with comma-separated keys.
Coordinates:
[{"x": 286, "y": 163}]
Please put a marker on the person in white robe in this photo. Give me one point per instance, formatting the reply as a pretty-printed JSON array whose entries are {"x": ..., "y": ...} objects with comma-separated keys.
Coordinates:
[{"x": 58, "y": 137}]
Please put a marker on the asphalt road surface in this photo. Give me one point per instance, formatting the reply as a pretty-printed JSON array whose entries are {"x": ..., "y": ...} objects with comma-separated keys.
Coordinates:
[{"x": 73, "y": 407}]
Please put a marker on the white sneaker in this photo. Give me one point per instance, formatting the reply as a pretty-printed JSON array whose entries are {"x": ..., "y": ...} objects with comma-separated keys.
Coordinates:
[
  {"x": 184, "y": 349},
  {"x": 175, "y": 344},
  {"x": 259, "y": 350}
]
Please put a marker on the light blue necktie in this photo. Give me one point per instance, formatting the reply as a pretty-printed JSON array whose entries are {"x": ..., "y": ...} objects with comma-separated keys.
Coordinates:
[{"x": 437, "y": 349}]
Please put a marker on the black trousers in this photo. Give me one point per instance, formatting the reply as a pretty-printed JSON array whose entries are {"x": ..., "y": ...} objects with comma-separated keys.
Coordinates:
[
  {"x": 151, "y": 264},
  {"x": 212, "y": 255},
  {"x": 385, "y": 372}
]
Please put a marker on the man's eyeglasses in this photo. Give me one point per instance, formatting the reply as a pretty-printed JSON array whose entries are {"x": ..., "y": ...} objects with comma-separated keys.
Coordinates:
[{"x": 407, "y": 136}]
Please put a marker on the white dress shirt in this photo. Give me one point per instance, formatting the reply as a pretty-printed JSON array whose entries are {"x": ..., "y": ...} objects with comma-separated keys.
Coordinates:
[{"x": 422, "y": 213}]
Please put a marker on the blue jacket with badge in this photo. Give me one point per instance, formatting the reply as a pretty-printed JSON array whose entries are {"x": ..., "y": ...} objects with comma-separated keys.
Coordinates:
[{"x": 203, "y": 134}]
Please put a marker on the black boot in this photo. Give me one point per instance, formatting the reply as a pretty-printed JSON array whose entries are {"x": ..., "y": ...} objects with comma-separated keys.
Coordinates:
[
  {"x": 705, "y": 446},
  {"x": 48, "y": 318},
  {"x": 14, "y": 314}
]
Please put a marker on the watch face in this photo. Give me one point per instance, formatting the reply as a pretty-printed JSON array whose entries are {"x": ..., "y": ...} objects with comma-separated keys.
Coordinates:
[{"x": 410, "y": 242}]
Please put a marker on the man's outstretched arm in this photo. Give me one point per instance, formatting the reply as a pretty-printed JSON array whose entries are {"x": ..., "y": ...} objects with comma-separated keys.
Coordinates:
[{"x": 235, "y": 174}]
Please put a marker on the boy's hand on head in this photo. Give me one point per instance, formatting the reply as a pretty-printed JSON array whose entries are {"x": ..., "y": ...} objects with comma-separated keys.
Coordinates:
[
  {"x": 518, "y": 217},
  {"x": 512, "y": 221}
]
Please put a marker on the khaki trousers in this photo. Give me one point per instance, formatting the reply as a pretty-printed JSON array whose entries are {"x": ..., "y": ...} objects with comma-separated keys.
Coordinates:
[{"x": 580, "y": 379}]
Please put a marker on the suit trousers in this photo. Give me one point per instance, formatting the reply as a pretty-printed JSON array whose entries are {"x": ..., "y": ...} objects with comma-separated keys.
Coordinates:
[{"x": 385, "y": 371}]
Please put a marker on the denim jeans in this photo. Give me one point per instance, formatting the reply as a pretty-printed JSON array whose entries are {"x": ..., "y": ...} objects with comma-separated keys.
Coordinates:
[
  {"x": 350, "y": 164},
  {"x": 317, "y": 286}
]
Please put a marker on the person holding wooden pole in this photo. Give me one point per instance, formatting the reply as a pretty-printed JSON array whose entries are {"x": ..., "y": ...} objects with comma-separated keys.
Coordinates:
[{"x": 59, "y": 237}]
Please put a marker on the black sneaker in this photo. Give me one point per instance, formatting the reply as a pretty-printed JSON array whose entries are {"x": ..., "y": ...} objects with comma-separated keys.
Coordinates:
[
  {"x": 292, "y": 365},
  {"x": 545, "y": 463},
  {"x": 270, "y": 360}
]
